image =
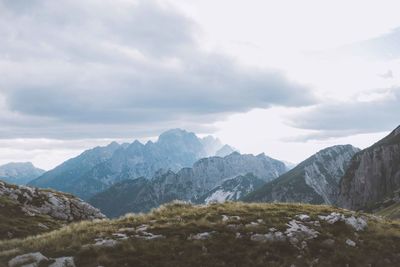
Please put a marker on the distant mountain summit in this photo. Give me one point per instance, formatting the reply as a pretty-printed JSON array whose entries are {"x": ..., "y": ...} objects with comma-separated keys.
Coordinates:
[
  {"x": 19, "y": 172},
  {"x": 70, "y": 176},
  {"x": 315, "y": 180},
  {"x": 97, "y": 169},
  {"x": 225, "y": 151},
  {"x": 373, "y": 176},
  {"x": 236, "y": 173}
]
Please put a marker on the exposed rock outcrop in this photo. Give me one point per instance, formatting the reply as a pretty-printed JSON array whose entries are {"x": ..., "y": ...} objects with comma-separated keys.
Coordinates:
[
  {"x": 373, "y": 175},
  {"x": 57, "y": 205}
]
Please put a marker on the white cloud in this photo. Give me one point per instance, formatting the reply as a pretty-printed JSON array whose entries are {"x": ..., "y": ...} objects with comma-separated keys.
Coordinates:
[{"x": 100, "y": 69}]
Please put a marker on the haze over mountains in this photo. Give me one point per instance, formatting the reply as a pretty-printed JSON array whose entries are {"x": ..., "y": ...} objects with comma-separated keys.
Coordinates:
[
  {"x": 196, "y": 184},
  {"x": 136, "y": 177},
  {"x": 97, "y": 169},
  {"x": 19, "y": 172}
]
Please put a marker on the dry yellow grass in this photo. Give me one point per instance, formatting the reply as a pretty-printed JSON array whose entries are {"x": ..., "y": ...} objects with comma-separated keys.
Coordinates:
[{"x": 377, "y": 245}]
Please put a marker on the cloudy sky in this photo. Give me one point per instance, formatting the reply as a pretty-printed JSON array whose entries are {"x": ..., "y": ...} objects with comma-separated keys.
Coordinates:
[{"x": 282, "y": 77}]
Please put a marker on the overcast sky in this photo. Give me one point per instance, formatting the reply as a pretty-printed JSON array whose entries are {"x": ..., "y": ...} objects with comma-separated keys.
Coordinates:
[{"x": 287, "y": 78}]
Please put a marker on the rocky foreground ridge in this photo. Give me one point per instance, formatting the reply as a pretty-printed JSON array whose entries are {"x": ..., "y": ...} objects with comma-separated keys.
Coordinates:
[
  {"x": 229, "y": 234},
  {"x": 26, "y": 211}
]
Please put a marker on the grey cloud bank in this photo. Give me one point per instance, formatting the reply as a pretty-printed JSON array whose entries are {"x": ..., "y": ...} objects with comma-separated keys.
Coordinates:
[
  {"x": 109, "y": 69},
  {"x": 339, "y": 119}
]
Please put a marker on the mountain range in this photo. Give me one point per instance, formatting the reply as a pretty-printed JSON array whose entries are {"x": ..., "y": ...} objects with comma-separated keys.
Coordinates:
[
  {"x": 19, "y": 172},
  {"x": 208, "y": 175},
  {"x": 178, "y": 166},
  {"x": 97, "y": 169},
  {"x": 361, "y": 180}
]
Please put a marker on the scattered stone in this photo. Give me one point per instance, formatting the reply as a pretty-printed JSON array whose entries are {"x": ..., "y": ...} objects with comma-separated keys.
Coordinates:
[
  {"x": 316, "y": 223},
  {"x": 303, "y": 217},
  {"x": 258, "y": 238},
  {"x": 120, "y": 236},
  {"x": 314, "y": 262},
  {"x": 200, "y": 236},
  {"x": 260, "y": 221},
  {"x": 270, "y": 237},
  {"x": 300, "y": 231},
  {"x": 142, "y": 228},
  {"x": 41, "y": 225},
  {"x": 127, "y": 230},
  {"x": 149, "y": 236},
  {"x": 252, "y": 224},
  {"x": 303, "y": 245},
  {"x": 350, "y": 243},
  {"x": 10, "y": 235},
  {"x": 359, "y": 224},
  {"x": 28, "y": 260},
  {"x": 63, "y": 262},
  {"x": 226, "y": 218},
  {"x": 332, "y": 218},
  {"x": 109, "y": 243},
  {"x": 273, "y": 229}
]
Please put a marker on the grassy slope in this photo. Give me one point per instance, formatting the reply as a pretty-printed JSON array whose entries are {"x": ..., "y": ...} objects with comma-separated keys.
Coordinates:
[
  {"x": 15, "y": 223},
  {"x": 378, "y": 245},
  {"x": 391, "y": 212}
]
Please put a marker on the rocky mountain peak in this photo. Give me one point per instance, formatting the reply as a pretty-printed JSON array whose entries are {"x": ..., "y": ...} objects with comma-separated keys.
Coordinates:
[
  {"x": 315, "y": 180},
  {"x": 225, "y": 151},
  {"x": 175, "y": 134},
  {"x": 397, "y": 130},
  {"x": 113, "y": 145}
]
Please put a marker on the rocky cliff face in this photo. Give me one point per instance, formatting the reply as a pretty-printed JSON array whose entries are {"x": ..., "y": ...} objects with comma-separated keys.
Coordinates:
[
  {"x": 315, "y": 180},
  {"x": 373, "y": 175},
  {"x": 19, "y": 172},
  {"x": 96, "y": 170},
  {"x": 189, "y": 184},
  {"x": 206, "y": 174}
]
